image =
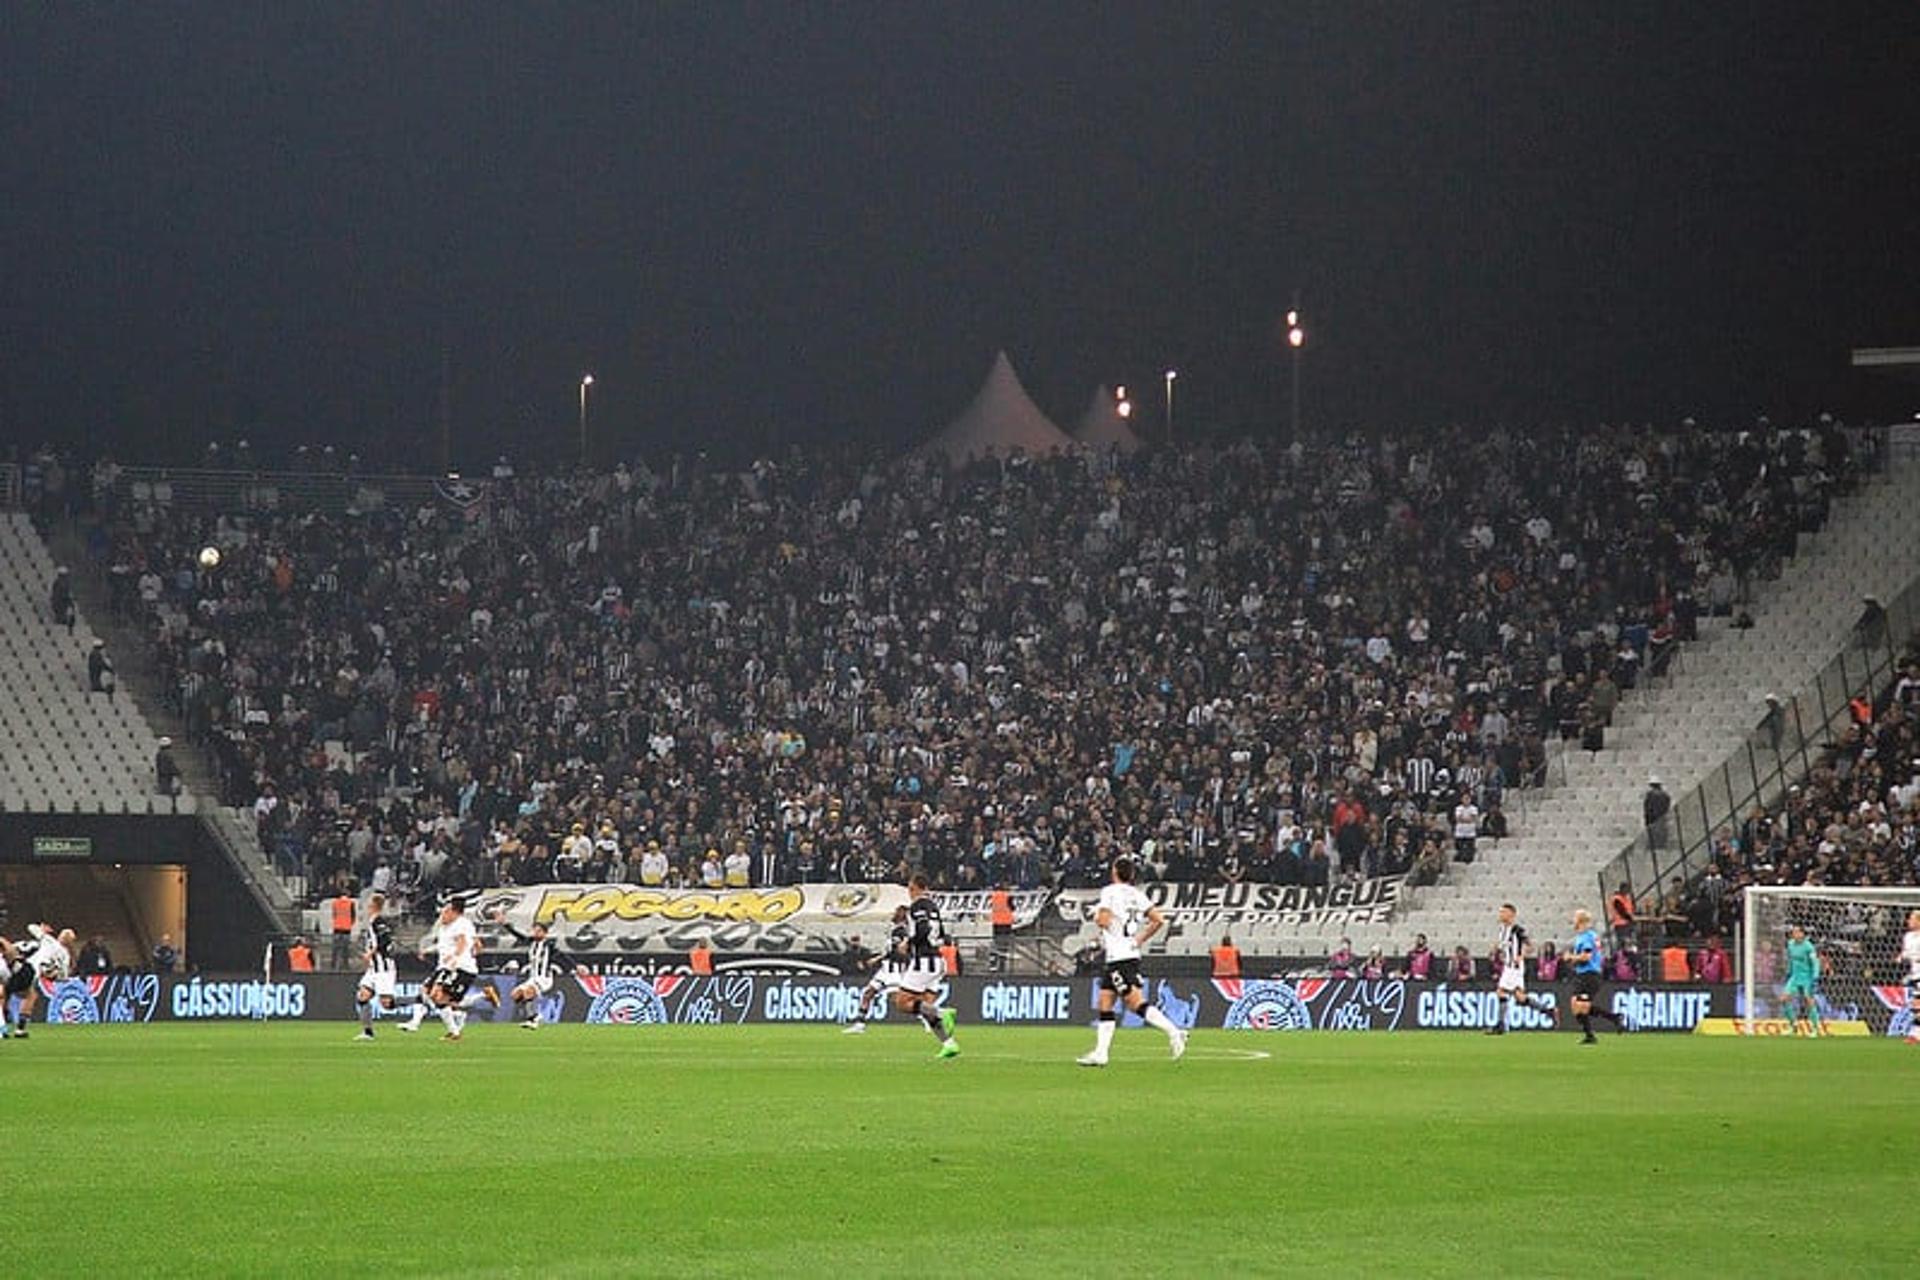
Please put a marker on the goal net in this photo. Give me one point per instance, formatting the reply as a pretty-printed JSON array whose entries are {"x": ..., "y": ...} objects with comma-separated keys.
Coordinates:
[{"x": 1857, "y": 933}]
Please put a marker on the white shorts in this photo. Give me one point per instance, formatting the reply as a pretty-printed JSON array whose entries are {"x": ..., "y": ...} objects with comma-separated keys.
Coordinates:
[
  {"x": 543, "y": 985},
  {"x": 1513, "y": 978},
  {"x": 378, "y": 981},
  {"x": 920, "y": 982}
]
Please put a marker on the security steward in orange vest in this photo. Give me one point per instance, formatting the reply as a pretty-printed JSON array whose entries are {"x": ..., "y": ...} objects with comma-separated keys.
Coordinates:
[
  {"x": 1226, "y": 959},
  {"x": 342, "y": 907},
  {"x": 1002, "y": 912}
]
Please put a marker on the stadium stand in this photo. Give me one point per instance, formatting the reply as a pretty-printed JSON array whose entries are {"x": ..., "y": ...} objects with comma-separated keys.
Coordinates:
[
  {"x": 1000, "y": 675},
  {"x": 63, "y": 748},
  {"x": 1681, "y": 732}
]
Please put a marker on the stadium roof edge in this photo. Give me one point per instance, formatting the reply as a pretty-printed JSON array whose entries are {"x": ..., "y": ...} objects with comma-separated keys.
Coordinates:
[{"x": 1902, "y": 358}]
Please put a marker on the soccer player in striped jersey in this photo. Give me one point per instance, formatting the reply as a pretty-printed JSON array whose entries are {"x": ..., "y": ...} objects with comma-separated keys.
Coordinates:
[
  {"x": 923, "y": 969},
  {"x": 536, "y": 976},
  {"x": 1910, "y": 952},
  {"x": 1126, "y": 919},
  {"x": 886, "y": 972},
  {"x": 1510, "y": 956},
  {"x": 1584, "y": 954},
  {"x": 377, "y": 982}
]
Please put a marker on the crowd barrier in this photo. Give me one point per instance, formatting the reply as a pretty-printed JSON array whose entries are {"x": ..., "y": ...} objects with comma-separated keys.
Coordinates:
[{"x": 1235, "y": 1004}]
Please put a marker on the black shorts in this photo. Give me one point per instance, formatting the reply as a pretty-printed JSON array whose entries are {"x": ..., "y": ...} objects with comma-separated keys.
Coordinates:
[
  {"x": 1586, "y": 986},
  {"x": 453, "y": 981},
  {"x": 20, "y": 981},
  {"x": 1121, "y": 976}
]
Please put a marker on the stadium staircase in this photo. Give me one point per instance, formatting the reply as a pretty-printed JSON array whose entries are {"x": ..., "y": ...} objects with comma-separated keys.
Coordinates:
[
  {"x": 1677, "y": 729},
  {"x": 64, "y": 749}
]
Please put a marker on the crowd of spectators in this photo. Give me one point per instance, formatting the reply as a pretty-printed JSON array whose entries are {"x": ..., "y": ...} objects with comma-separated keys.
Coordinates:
[{"x": 1251, "y": 662}]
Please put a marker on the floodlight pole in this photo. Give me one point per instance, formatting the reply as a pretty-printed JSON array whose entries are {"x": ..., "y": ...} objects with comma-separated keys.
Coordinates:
[
  {"x": 586, "y": 380},
  {"x": 1297, "y": 340}
]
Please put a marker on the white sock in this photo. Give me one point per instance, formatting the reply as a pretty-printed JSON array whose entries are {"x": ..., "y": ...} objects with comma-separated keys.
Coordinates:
[
  {"x": 419, "y": 1015},
  {"x": 1155, "y": 1018},
  {"x": 447, "y": 1015},
  {"x": 459, "y": 1021},
  {"x": 1103, "y": 1036}
]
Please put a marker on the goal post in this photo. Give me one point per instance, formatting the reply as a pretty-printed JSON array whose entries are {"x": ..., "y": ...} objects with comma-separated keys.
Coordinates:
[{"x": 1857, "y": 930}]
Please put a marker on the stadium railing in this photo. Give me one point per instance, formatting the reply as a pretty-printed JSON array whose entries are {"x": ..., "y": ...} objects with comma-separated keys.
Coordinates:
[
  {"x": 201, "y": 488},
  {"x": 1777, "y": 754}
]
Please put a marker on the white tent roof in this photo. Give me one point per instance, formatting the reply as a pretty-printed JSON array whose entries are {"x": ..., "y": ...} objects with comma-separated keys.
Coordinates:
[
  {"x": 1001, "y": 418},
  {"x": 1102, "y": 428}
]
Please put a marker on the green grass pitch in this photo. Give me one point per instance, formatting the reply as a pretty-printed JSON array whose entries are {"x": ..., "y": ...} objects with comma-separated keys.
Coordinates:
[{"x": 284, "y": 1149}]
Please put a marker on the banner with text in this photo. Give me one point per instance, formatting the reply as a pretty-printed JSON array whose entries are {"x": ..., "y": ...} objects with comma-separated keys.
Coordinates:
[
  {"x": 972, "y": 911},
  {"x": 611, "y": 920},
  {"x": 1251, "y": 1004},
  {"x": 1249, "y": 908}
]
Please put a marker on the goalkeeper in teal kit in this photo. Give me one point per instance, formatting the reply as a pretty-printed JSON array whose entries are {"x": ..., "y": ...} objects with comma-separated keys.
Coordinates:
[{"x": 1803, "y": 980}]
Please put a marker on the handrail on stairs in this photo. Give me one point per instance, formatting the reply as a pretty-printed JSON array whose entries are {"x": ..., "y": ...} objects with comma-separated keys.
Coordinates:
[{"x": 1791, "y": 737}]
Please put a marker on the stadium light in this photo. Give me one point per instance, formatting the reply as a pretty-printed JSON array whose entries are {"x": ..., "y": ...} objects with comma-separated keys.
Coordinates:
[
  {"x": 1296, "y": 339},
  {"x": 586, "y": 380}
]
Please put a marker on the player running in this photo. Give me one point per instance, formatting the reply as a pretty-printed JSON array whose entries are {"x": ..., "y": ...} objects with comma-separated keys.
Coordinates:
[
  {"x": 920, "y": 976},
  {"x": 377, "y": 982},
  {"x": 1510, "y": 955},
  {"x": 1126, "y": 919},
  {"x": 10, "y": 962},
  {"x": 45, "y": 956},
  {"x": 537, "y": 975},
  {"x": 1584, "y": 952},
  {"x": 457, "y": 964},
  {"x": 1910, "y": 952},
  {"x": 886, "y": 973},
  {"x": 1801, "y": 995}
]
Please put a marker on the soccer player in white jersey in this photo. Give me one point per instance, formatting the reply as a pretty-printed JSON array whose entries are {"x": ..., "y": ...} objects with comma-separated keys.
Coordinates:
[
  {"x": 1910, "y": 952},
  {"x": 1510, "y": 956},
  {"x": 1126, "y": 919},
  {"x": 45, "y": 957},
  {"x": 456, "y": 965}
]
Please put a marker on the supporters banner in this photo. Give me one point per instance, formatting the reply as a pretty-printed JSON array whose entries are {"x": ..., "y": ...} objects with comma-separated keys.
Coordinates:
[
  {"x": 1252, "y": 1005},
  {"x": 1251, "y": 907},
  {"x": 975, "y": 908},
  {"x": 613, "y": 920}
]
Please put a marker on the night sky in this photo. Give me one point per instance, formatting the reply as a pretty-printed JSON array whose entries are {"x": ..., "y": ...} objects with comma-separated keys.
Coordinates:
[{"x": 761, "y": 223}]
